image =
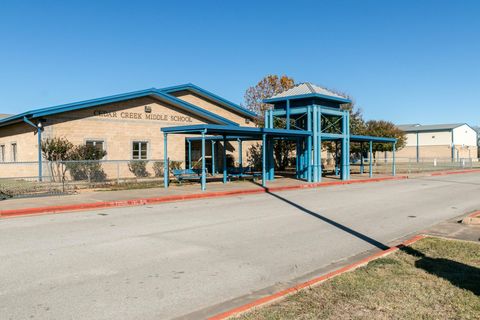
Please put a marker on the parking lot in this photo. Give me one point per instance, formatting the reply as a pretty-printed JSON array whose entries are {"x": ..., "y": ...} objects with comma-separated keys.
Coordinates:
[{"x": 197, "y": 258}]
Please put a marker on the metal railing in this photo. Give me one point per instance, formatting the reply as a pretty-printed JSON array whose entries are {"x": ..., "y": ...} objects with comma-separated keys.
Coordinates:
[
  {"x": 411, "y": 165},
  {"x": 21, "y": 178}
]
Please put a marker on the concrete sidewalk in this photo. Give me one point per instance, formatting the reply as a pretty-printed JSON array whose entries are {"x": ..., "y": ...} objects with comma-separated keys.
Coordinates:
[
  {"x": 97, "y": 199},
  {"x": 156, "y": 195}
]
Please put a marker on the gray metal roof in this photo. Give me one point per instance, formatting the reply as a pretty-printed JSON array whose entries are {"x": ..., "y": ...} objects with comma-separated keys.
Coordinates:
[
  {"x": 306, "y": 88},
  {"x": 431, "y": 127}
]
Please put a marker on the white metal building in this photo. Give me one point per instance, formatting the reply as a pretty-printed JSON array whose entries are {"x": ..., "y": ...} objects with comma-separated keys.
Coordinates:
[{"x": 455, "y": 141}]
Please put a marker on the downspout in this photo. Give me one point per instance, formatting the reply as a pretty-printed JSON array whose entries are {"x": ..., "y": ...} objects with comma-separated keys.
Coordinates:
[{"x": 39, "y": 130}]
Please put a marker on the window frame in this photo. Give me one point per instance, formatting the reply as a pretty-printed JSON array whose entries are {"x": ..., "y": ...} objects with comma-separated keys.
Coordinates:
[
  {"x": 2, "y": 152},
  {"x": 14, "y": 151},
  {"x": 147, "y": 149},
  {"x": 95, "y": 141}
]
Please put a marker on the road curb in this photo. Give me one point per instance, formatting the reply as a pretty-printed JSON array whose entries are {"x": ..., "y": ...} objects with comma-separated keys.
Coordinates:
[
  {"x": 173, "y": 198},
  {"x": 472, "y": 218},
  {"x": 446, "y": 173},
  {"x": 313, "y": 282}
]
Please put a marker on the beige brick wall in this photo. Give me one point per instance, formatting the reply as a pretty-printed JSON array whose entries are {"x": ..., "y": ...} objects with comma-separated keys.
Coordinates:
[
  {"x": 214, "y": 107},
  {"x": 118, "y": 125},
  {"x": 438, "y": 152}
]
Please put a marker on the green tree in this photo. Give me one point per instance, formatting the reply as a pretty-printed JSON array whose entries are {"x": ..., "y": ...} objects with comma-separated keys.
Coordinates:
[
  {"x": 381, "y": 128},
  {"x": 85, "y": 163},
  {"x": 254, "y": 96},
  {"x": 269, "y": 86},
  {"x": 55, "y": 151}
]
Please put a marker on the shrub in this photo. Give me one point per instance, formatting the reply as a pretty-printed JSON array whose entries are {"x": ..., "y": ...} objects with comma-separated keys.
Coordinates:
[
  {"x": 158, "y": 168},
  {"x": 86, "y": 163},
  {"x": 175, "y": 165},
  {"x": 138, "y": 168},
  {"x": 55, "y": 151}
]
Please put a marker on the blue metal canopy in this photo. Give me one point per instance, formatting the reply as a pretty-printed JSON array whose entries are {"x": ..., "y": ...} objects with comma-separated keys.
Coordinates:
[{"x": 223, "y": 130}]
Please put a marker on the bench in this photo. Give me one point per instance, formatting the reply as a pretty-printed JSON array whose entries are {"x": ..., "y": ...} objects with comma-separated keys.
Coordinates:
[
  {"x": 187, "y": 174},
  {"x": 242, "y": 173}
]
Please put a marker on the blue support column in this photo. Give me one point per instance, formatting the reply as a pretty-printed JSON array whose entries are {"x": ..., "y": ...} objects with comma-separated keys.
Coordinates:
[
  {"x": 394, "y": 169},
  {"x": 40, "y": 165},
  {"x": 361, "y": 158},
  {"x": 224, "y": 159},
  {"x": 301, "y": 160},
  {"x": 337, "y": 163},
  {"x": 288, "y": 114},
  {"x": 38, "y": 131},
  {"x": 319, "y": 137},
  {"x": 204, "y": 175},
  {"x": 266, "y": 119},
  {"x": 271, "y": 160},
  {"x": 270, "y": 121},
  {"x": 315, "y": 143},
  {"x": 189, "y": 154},
  {"x": 348, "y": 144},
  {"x": 213, "y": 157},
  {"x": 165, "y": 161},
  {"x": 370, "y": 161},
  {"x": 264, "y": 159},
  {"x": 309, "y": 144},
  {"x": 345, "y": 152},
  {"x": 297, "y": 158},
  {"x": 240, "y": 154}
]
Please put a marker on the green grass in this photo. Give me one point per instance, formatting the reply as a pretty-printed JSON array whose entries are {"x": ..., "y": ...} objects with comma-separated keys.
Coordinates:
[{"x": 432, "y": 279}]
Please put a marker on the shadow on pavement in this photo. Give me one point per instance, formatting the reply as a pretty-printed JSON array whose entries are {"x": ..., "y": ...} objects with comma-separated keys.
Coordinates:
[
  {"x": 458, "y": 274},
  {"x": 333, "y": 223}
]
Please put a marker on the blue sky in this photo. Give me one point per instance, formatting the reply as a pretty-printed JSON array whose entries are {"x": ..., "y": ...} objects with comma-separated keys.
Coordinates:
[{"x": 403, "y": 61}]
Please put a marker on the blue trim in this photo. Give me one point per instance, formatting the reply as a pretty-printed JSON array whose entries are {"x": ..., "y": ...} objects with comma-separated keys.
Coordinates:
[
  {"x": 116, "y": 98},
  {"x": 165, "y": 161},
  {"x": 224, "y": 145},
  {"x": 204, "y": 176},
  {"x": 227, "y": 130},
  {"x": 306, "y": 96},
  {"x": 213, "y": 156},
  {"x": 356, "y": 138},
  {"x": 210, "y": 95},
  {"x": 301, "y": 110},
  {"x": 370, "y": 164}
]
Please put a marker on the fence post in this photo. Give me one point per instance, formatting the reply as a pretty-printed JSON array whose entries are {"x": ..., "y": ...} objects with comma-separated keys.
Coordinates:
[{"x": 118, "y": 172}]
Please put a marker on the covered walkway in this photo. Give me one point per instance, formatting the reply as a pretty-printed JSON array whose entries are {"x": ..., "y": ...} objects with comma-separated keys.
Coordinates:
[{"x": 224, "y": 134}]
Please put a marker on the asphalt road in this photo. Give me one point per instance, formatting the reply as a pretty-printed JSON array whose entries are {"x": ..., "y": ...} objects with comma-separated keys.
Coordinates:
[{"x": 170, "y": 260}]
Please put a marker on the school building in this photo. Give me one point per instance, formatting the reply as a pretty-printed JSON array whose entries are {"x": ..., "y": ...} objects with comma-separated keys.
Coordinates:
[
  {"x": 440, "y": 141},
  {"x": 127, "y": 126},
  {"x": 190, "y": 125}
]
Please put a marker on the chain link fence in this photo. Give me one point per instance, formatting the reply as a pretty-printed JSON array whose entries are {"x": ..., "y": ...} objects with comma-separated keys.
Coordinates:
[
  {"x": 411, "y": 165},
  {"x": 21, "y": 178}
]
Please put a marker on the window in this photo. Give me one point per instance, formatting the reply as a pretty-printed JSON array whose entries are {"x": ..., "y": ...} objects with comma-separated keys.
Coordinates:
[
  {"x": 2, "y": 153},
  {"x": 97, "y": 144},
  {"x": 14, "y": 152},
  {"x": 139, "y": 150}
]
